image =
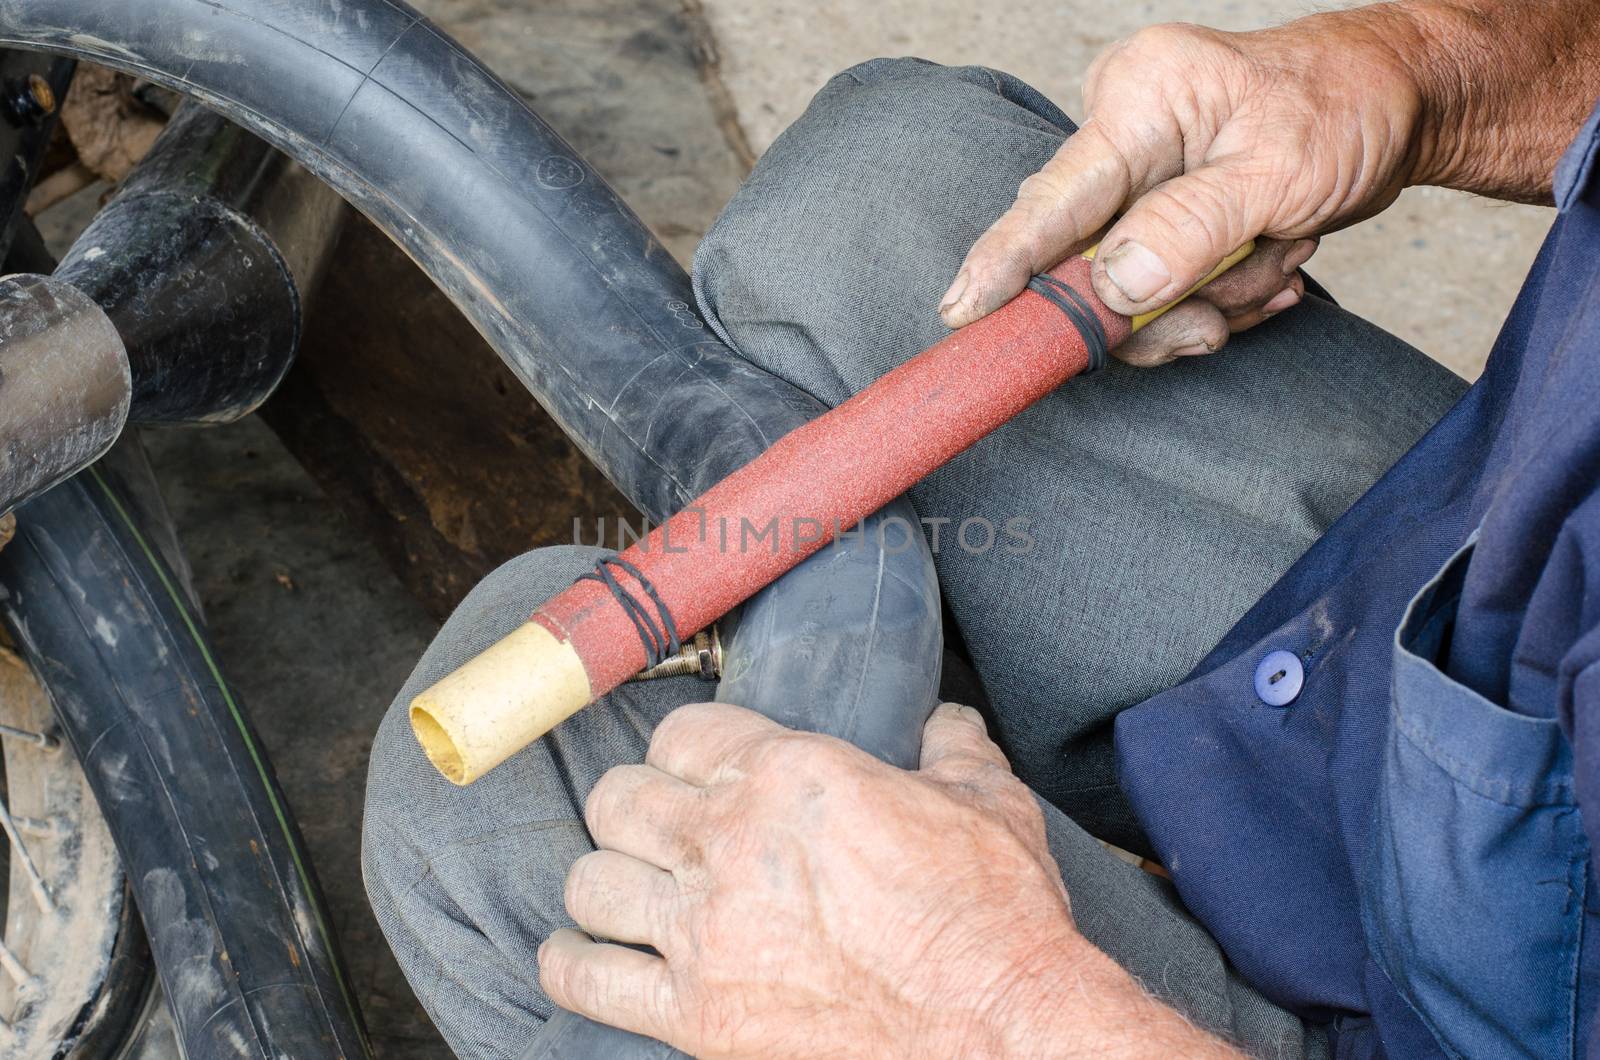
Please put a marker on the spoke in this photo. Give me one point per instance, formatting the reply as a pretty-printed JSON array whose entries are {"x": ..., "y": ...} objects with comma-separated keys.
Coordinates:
[
  {"x": 35, "y": 881},
  {"x": 42, "y": 827},
  {"x": 19, "y": 975},
  {"x": 40, "y": 739}
]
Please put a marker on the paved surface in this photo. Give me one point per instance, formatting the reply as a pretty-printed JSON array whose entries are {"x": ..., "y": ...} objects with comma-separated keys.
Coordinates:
[
  {"x": 1417, "y": 270},
  {"x": 317, "y": 633}
]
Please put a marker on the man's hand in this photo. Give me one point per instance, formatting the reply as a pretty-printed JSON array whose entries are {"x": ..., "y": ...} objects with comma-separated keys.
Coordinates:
[
  {"x": 808, "y": 900},
  {"x": 1202, "y": 140}
]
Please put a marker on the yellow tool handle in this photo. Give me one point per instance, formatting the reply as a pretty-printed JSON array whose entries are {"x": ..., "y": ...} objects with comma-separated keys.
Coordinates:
[{"x": 1222, "y": 266}]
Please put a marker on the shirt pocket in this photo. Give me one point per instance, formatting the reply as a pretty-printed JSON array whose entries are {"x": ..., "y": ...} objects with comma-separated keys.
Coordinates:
[{"x": 1473, "y": 896}]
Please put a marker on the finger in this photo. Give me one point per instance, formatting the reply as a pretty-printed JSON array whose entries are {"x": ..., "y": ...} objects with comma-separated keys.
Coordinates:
[
  {"x": 701, "y": 743},
  {"x": 611, "y": 984},
  {"x": 1191, "y": 329},
  {"x": 620, "y": 898},
  {"x": 956, "y": 745},
  {"x": 642, "y": 812},
  {"x": 1173, "y": 235},
  {"x": 1250, "y": 284},
  {"x": 1258, "y": 288},
  {"x": 1057, "y": 211},
  {"x": 1288, "y": 298}
]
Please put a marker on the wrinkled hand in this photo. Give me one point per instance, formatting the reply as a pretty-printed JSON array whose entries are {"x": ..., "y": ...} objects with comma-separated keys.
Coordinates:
[
  {"x": 808, "y": 900},
  {"x": 1203, "y": 140},
  {"x": 805, "y": 898}
]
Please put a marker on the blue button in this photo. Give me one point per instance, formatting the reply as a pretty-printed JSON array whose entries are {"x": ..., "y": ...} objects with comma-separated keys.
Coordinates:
[{"x": 1279, "y": 677}]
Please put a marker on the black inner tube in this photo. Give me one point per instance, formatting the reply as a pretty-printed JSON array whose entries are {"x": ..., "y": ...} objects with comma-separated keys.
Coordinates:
[{"x": 573, "y": 293}]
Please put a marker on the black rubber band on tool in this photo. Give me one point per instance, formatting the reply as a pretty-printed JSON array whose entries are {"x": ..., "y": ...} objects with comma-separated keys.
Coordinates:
[
  {"x": 1076, "y": 308},
  {"x": 660, "y": 642}
]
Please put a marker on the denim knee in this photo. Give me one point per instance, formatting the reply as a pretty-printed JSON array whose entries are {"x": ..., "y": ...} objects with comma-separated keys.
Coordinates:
[
  {"x": 466, "y": 881},
  {"x": 827, "y": 265},
  {"x": 411, "y": 811},
  {"x": 907, "y": 77}
]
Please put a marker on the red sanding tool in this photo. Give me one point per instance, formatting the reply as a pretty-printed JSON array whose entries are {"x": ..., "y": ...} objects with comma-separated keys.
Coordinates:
[{"x": 790, "y": 501}]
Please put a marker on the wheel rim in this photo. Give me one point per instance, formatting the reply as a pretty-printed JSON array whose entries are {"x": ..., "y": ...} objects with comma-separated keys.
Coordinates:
[{"x": 67, "y": 911}]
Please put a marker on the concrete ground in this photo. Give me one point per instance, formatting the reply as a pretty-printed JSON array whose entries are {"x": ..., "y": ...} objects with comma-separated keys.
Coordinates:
[{"x": 317, "y": 633}]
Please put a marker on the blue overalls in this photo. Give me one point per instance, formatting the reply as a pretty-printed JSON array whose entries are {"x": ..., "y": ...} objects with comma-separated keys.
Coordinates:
[{"x": 1370, "y": 790}]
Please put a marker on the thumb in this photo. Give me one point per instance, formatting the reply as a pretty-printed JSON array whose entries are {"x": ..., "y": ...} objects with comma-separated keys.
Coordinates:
[
  {"x": 955, "y": 742},
  {"x": 1173, "y": 235}
]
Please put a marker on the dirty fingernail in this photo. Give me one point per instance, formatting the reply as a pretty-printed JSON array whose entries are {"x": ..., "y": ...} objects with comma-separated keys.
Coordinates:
[
  {"x": 1136, "y": 270},
  {"x": 1199, "y": 349},
  {"x": 952, "y": 297},
  {"x": 1281, "y": 301},
  {"x": 1297, "y": 255}
]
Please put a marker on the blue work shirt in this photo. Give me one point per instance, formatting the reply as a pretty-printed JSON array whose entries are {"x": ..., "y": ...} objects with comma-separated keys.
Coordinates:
[{"x": 1401, "y": 846}]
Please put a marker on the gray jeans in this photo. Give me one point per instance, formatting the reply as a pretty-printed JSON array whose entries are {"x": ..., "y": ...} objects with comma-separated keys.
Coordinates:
[{"x": 1160, "y": 505}]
